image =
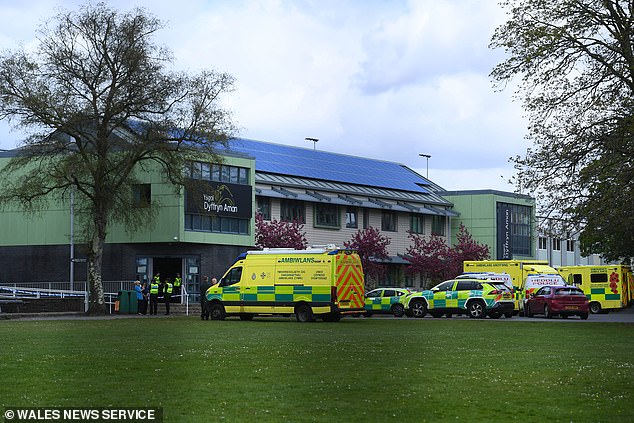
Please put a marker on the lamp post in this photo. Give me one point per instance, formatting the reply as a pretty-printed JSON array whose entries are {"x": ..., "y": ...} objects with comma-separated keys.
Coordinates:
[
  {"x": 427, "y": 156},
  {"x": 314, "y": 141}
]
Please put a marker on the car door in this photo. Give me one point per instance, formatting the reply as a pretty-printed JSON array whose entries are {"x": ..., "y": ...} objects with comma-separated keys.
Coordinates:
[
  {"x": 388, "y": 296},
  {"x": 537, "y": 305},
  {"x": 442, "y": 293}
]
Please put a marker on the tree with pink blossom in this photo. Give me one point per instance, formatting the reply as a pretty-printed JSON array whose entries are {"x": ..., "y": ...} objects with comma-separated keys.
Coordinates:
[
  {"x": 278, "y": 234},
  {"x": 371, "y": 246}
]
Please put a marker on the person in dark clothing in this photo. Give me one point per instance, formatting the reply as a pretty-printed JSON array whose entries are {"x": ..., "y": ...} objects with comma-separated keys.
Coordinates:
[{"x": 204, "y": 286}]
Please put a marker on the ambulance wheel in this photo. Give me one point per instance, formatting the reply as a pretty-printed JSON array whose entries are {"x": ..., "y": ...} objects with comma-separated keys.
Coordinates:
[
  {"x": 216, "y": 311},
  {"x": 547, "y": 312},
  {"x": 418, "y": 308},
  {"x": 304, "y": 313},
  {"x": 398, "y": 310},
  {"x": 595, "y": 308},
  {"x": 476, "y": 310}
]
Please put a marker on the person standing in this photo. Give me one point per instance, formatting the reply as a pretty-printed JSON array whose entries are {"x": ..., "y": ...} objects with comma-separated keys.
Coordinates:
[
  {"x": 178, "y": 281},
  {"x": 154, "y": 293},
  {"x": 167, "y": 295},
  {"x": 145, "y": 289},
  {"x": 139, "y": 296},
  {"x": 204, "y": 286}
]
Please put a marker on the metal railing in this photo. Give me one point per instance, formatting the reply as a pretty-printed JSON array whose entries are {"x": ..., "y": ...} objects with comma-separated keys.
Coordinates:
[{"x": 25, "y": 290}]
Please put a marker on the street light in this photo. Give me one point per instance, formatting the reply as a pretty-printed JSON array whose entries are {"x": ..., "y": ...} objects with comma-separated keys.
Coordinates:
[
  {"x": 314, "y": 140},
  {"x": 427, "y": 156}
]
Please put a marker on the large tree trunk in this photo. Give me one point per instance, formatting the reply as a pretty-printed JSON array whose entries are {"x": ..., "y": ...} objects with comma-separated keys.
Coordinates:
[{"x": 96, "y": 301}]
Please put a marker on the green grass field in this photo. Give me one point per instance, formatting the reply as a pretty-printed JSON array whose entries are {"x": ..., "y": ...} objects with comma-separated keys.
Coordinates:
[{"x": 367, "y": 370}]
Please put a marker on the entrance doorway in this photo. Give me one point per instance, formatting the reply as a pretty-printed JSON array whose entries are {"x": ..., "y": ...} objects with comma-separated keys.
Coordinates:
[{"x": 168, "y": 267}]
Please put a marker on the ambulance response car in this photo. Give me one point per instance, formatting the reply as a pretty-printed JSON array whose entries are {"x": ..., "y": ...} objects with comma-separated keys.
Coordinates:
[
  {"x": 517, "y": 269},
  {"x": 607, "y": 287},
  {"x": 317, "y": 282},
  {"x": 478, "y": 296}
]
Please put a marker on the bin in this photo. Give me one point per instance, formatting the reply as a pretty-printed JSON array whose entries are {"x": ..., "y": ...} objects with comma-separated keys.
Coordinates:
[
  {"x": 124, "y": 302},
  {"x": 133, "y": 304}
]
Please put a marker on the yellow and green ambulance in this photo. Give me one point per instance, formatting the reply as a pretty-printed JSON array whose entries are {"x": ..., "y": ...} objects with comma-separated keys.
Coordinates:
[
  {"x": 317, "y": 282},
  {"x": 608, "y": 287}
]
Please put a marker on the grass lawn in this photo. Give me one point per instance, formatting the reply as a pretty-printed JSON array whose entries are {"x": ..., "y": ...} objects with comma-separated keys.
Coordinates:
[{"x": 367, "y": 370}]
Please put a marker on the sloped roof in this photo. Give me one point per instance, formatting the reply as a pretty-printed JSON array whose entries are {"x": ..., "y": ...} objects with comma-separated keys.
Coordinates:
[{"x": 322, "y": 165}]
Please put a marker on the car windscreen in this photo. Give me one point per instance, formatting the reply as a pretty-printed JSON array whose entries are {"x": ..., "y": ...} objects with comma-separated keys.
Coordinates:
[
  {"x": 569, "y": 291},
  {"x": 500, "y": 286}
]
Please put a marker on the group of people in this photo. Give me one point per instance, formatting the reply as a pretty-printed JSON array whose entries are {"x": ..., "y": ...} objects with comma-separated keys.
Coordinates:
[{"x": 155, "y": 289}]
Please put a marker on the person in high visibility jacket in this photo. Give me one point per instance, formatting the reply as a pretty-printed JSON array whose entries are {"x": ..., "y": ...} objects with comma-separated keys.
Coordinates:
[
  {"x": 178, "y": 281},
  {"x": 154, "y": 292},
  {"x": 167, "y": 294}
]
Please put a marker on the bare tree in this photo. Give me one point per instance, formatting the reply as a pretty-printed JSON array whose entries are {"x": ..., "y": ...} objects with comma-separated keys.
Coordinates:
[{"x": 101, "y": 105}]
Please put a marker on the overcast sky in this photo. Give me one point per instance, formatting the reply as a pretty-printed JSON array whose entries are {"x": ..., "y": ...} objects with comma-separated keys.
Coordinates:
[{"x": 380, "y": 79}]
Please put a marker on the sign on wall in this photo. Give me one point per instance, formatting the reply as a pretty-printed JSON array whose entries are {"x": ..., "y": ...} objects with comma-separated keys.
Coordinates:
[
  {"x": 220, "y": 199},
  {"x": 504, "y": 231}
]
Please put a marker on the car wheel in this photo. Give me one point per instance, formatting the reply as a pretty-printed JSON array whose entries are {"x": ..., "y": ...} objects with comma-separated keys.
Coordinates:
[
  {"x": 584, "y": 316},
  {"x": 476, "y": 310},
  {"x": 398, "y": 310},
  {"x": 418, "y": 309},
  {"x": 216, "y": 311},
  {"x": 304, "y": 313},
  {"x": 527, "y": 311},
  {"x": 547, "y": 312},
  {"x": 595, "y": 308}
]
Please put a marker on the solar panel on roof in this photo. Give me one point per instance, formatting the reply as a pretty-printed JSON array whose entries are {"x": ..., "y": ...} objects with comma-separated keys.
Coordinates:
[{"x": 317, "y": 164}]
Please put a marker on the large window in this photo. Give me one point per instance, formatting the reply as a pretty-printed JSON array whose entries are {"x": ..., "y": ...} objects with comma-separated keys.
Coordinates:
[
  {"x": 438, "y": 225},
  {"x": 389, "y": 221},
  {"x": 417, "y": 223},
  {"x": 219, "y": 224},
  {"x": 291, "y": 210},
  {"x": 351, "y": 218},
  {"x": 264, "y": 207},
  {"x": 218, "y": 173},
  {"x": 327, "y": 215}
]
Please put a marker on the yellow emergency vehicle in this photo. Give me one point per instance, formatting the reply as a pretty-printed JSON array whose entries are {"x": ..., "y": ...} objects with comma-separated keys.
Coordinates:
[
  {"x": 318, "y": 282},
  {"x": 607, "y": 287},
  {"x": 517, "y": 269}
]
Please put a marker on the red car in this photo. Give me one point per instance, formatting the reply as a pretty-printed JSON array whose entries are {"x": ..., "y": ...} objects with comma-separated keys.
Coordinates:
[{"x": 558, "y": 300}]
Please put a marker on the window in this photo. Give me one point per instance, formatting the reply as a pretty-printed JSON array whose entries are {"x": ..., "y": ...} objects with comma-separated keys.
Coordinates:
[
  {"x": 327, "y": 215},
  {"x": 556, "y": 244},
  {"x": 366, "y": 218},
  {"x": 543, "y": 243},
  {"x": 466, "y": 285},
  {"x": 217, "y": 224},
  {"x": 264, "y": 207},
  {"x": 445, "y": 286},
  {"x": 141, "y": 195},
  {"x": 598, "y": 277},
  {"x": 389, "y": 293},
  {"x": 388, "y": 221},
  {"x": 417, "y": 224},
  {"x": 351, "y": 217},
  {"x": 218, "y": 173},
  {"x": 438, "y": 225},
  {"x": 232, "y": 278},
  {"x": 292, "y": 210},
  {"x": 570, "y": 245}
]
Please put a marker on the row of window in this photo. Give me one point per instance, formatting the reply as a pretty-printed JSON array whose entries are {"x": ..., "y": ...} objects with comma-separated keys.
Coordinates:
[
  {"x": 217, "y": 173},
  {"x": 556, "y": 244},
  {"x": 217, "y": 224},
  {"x": 329, "y": 215}
]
